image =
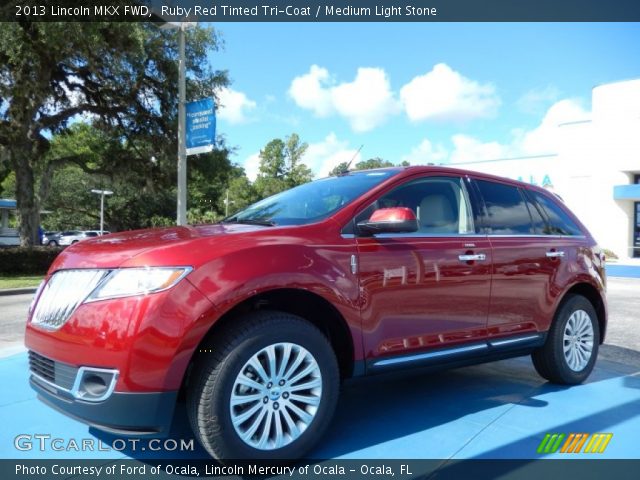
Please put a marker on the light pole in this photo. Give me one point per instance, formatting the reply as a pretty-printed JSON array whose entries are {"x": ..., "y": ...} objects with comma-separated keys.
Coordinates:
[
  {"x": 226, "y": 204},
  {"x": 181, "y": 217},
  {"x": 102, "y": 193}
]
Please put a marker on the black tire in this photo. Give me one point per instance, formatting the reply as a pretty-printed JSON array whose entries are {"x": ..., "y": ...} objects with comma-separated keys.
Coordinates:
[
  {"x": 52, "y": 243},
  {"x": 216, "y": 370},
  {"x": 550, "y": 361}
]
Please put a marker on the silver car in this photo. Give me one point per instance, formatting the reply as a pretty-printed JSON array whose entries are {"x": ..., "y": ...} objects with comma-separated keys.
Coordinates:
[{"x": 70, "y": 237}]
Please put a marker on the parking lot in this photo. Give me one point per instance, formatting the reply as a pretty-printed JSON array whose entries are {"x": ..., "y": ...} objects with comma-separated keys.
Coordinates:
[{"x": 497, "y": 410}]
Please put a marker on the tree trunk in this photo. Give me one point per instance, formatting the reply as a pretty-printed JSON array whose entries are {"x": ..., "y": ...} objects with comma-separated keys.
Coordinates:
[{"x": 28, "y": 211}]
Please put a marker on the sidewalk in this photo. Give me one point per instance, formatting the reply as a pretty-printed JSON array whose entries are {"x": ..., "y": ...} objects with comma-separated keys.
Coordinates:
[
  {"x": 17, "y": 291},
  {"x": 625, "y": 267}
]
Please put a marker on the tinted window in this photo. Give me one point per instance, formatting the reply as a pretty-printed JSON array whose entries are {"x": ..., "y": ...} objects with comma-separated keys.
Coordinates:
[
  {"x": 312, "y": 201},
  {"x": 439, "y": 203},
  {"x": 559, "y": 222},
  {"x": 539, "y": 224},
  {"x": 506, "y": 211}
]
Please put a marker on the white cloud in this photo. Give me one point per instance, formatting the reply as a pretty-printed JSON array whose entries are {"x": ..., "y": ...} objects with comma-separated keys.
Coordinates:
[
  {"x": 365, "y": 102},
  {"x": 444, "y": 94},
  {"x": 535, "y": 101},
  {"x": 234, "y": 106},
  {"x": 322, "y": 157},
  {"x": 426, "y": 153},
  {"x": 311, "y": 91},
  {"x": 541, "y": 140},
  {"x": 544, "y": 138},
  {"x": 251, "y": 166},
  {"x": 468, "y": 149}
]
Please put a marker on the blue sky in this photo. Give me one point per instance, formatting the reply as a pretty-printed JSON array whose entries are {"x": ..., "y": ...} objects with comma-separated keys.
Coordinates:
[{"x": 423, "y": 92}]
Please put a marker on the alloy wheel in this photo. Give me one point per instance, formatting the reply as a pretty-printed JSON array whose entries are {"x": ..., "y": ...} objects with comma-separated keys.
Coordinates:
[{"x": 275, "y": 396}]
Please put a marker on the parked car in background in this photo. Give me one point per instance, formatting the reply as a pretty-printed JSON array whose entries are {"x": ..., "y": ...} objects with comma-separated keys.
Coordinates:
[
  {"x": 96, "y": 233},
  {"x": 51, "y": 239},
  {"x": 257, "y": 320},
  {"x": 70, "y": 237}
]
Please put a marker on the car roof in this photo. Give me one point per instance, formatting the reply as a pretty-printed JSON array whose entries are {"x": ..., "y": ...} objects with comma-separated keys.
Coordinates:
[{"x": 448, "y": 170}]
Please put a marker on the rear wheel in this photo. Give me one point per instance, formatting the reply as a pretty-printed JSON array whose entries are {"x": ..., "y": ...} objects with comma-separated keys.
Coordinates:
[
  {"x": 265, "y": 389},
  {"x": 571, "y": 348}
]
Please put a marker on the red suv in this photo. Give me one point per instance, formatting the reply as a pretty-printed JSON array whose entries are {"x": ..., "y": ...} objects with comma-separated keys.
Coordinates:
[{"x": 257, "y": 319}]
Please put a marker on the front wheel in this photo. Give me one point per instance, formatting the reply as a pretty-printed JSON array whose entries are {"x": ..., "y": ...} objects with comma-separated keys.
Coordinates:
[
  {"x": 265, "y": 389},
  {"x": 570, "y": 351}
]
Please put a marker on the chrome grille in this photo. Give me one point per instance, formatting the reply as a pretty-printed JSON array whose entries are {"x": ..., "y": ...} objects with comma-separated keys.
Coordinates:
[
  {"x": 57, "y": 373},
  {"x": 62, "y": 294}
]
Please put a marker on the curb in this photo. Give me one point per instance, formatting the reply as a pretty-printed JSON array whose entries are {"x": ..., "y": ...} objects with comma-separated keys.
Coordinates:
[{"x": 17, "y": 291}]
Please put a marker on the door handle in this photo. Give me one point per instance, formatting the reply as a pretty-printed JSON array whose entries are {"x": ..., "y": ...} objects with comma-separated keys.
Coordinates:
[
  {"x": 471, "y": 258},
  {"x": 554, "y": 254}
]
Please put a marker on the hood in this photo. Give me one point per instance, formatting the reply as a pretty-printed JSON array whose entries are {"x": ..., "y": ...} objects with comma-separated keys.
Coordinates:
[{"x": 122, "y": 249}]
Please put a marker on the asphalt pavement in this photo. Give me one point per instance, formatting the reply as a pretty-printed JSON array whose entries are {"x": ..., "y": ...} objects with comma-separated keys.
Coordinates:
[{"x": 13, "y": 314}]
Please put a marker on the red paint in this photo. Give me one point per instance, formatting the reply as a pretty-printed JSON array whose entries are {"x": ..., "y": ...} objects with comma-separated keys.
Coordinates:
[
  {"x": 409, "y": 293},
  {"x": 398, "y": 214}
]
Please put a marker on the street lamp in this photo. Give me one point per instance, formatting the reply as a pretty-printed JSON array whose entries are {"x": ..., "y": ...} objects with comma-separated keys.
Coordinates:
[
  {"x": 102, "y": 193},
  {"x": 181, "y": 217},
  {"x": 226, "y": 204}
]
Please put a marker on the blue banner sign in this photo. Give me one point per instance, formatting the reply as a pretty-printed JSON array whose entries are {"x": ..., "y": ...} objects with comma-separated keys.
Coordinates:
[{"x": 201, "y": 126}]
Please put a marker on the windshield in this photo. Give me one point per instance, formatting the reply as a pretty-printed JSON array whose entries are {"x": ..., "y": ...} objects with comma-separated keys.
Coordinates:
[{"x": 311, "y": 202}]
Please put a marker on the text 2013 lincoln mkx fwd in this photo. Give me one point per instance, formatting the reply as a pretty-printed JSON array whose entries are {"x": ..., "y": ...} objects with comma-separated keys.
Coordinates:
[{"x": 257, "y": 319}]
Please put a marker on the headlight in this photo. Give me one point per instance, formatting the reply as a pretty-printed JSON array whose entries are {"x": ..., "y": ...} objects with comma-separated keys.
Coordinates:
[{"x": 126, "y": 282}]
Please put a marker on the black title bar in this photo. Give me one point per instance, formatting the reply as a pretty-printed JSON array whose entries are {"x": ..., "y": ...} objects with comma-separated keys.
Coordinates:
[{"x": 322, "y": 10}]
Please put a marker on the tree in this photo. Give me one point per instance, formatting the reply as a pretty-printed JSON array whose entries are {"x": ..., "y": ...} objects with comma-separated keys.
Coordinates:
[
  {"x": 339, "y": 169},
  {"x": 281, "y": 166},
  {"x": 375, "y": 162},
  {"x": 123, "y": 76}
]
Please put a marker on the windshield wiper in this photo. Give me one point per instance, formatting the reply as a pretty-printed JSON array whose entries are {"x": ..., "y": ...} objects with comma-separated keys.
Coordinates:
[{"x": 249, "y": 221}]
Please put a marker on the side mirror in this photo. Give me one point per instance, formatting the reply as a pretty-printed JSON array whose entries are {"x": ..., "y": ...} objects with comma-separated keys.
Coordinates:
[{"x": 390, "y": 220}]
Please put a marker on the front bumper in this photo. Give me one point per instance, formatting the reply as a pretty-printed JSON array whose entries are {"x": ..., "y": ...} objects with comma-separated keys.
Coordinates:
[{"x": 130, "y": 414}]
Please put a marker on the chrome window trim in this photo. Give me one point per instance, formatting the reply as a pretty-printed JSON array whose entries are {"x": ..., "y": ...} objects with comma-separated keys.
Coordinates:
[{"x": 460, "y": 235}]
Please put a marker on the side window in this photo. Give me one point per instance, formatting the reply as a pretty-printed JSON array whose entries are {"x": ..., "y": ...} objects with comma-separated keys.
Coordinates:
[
  {"x": 506, "y": 211},
  {"x": 559, "y": 222},
  {"x": 540, "y": 226},
  {"x": 440, "y": 204}
]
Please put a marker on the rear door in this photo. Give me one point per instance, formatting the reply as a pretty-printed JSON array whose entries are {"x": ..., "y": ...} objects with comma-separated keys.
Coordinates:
[
  {"x": 525, "y": 266},
  {"x": 429, "y": 289}
]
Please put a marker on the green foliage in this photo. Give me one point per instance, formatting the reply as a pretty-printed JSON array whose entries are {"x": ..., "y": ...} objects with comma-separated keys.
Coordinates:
[
  {"x": 375, "y": 162},
  {"x": 122, "y": 77},
  {"x": 281, "y": 166},
  {"x": 26, "y": 261}
]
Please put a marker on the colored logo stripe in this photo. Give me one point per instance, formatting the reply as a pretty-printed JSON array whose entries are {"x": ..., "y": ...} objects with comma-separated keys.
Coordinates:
[
  {"x": 598, "y": 443},
  {"x": 550, "y": 443},
  {"x": 574, "y": 442}
]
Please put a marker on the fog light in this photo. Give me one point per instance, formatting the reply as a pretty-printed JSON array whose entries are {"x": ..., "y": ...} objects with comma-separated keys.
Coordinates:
[{"x": 94, "y": 384}]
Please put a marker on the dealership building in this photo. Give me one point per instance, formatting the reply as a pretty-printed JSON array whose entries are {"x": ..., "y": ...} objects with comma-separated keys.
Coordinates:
[{"x": 596, "y": 168}]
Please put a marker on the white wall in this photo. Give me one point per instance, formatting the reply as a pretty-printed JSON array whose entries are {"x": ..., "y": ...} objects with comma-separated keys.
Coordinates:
[{"x": 592, "y": 157}]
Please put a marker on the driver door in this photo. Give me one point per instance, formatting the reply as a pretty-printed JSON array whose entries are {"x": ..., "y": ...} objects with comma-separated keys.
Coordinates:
[{"x": 425, "y": 291}]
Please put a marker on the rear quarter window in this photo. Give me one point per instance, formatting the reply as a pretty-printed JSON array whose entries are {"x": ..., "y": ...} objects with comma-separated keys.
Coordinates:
[{"x": 558, "y": 221}]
